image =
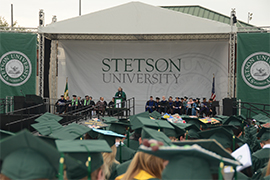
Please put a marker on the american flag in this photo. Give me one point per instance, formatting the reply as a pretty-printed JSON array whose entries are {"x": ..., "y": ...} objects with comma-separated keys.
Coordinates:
[{"x": 213, "y": 95}]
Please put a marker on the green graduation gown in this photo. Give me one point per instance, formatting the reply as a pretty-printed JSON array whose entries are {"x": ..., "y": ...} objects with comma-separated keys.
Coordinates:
[
  {"x": 127, "y": 153},
  {"x": 260, "y": 158},
  {"x": 133, "y": 144}
]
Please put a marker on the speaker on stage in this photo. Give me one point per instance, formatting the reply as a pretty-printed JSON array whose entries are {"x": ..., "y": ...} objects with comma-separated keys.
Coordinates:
[{"x": 228, "y": 106}]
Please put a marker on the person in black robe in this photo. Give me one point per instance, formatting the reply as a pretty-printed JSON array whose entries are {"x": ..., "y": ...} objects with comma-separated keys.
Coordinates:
[
  {"x": 157, "y": 104},
  {"x": 170, "y": 105},
  {"x": 177, "y": 106},
  {"x": 163, "y": 105},
  {"x": 204, "y": 108},
  {"x": 111, "y": 107},
  {"x": 60, "y": 105},
  {"x": 212, "y": 108},
  {"x": 150, "y": 105},
  {"x": 68, "y": 104}
]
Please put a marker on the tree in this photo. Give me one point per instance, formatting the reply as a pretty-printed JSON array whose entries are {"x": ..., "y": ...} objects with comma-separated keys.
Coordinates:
[{"x": 4, "y": 24}]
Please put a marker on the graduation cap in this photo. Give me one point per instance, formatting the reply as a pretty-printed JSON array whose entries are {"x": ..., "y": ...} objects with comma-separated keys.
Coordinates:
[
  {"x": 139, "y": 122},
  {"x": 155, "y": 115},
  {"x": 109, "y": 119},
  {"x": 195, "y": 121},
  {"x": 209, "y": 144},
  {"x": 222, "y": 118},
  {"x": 180, "y": 128},
  {"x": 221, "y": 135},
  {"x": 108, "y": 136},
  {"x": 192, "y": 132},
  {"x": 28, "y": 157},
  {"x": 261, "y": 118},
  {"x": 143, "y": 114},
  {"x": 169, "y": 132},
  {"x": 264, "y": 134},
  {"x": 158, "y": 98},
  {"x": 70, "y": 132},
  {"x": 49, "y": 140},
  {"x": 47, "y": 127},
  {"x": 148, "y": 133},
  {"x": 95, "y": 124},
  {"x": 74, "y": 96},
  {"x": 4, "y": 134},
  {"x": 189, "y": 162},
  {"x": 48, "y": 116},
  {"x": 236, "y": 121},
  {"x": 86, "y": 151},
  {"x": 119, "y": 127}
]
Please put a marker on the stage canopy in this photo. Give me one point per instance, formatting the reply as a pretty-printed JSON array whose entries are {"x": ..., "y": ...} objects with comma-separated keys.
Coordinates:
[{"x": 136, "y": 18}]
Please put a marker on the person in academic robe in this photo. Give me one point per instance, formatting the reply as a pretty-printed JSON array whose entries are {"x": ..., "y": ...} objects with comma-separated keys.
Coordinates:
[
  {"x": 122, "y": 95},
  {"x": 177, "y": 105},
  {"x": 261, "y": 157},
  {"x": 198, "y": 106},
  {"x": 68, "y": 104},
  {"x": 74, "y": 103},
  {"x": 212, "y": 108},
  {"x": 111, "y": 105},
  {"x": 163, "y": 105},
  {"x": 157, "y": 104},
  {"x": 101, "y": 106},
  {"x": 150, "y": 105},
  {"x": 60, "y": 105},
  {"x": 170, "y": 105},
  {"x": 194, "y": 106},
  {"x": 184, "y": 102},
  {"x": 189, "y": 106},
  {"x": 80, "y": 103},
  {"x": 204, "y": 108}
]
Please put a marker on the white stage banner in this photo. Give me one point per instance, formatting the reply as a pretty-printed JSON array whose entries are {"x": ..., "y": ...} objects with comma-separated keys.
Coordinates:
[{"x": 142, "y": 69}]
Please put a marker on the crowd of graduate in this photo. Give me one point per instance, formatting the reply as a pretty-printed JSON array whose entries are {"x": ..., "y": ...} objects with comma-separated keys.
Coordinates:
[
  {"x": 187, "y": 106},
  {"x": 144, "y": 146}
]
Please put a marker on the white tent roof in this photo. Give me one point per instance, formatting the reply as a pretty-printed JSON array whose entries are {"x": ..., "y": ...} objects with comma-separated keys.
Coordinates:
[{"x": 136, "y": 18}]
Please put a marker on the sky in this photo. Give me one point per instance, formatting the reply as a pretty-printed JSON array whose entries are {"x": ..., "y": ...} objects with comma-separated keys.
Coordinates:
[{"x": 25, "y": 12}]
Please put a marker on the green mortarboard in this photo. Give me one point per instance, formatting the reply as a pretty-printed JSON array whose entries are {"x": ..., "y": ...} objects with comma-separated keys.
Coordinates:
[
  {"x": 188, "y": 162},
  {"x": 70, "y": 132},
  {"x": 47, "y": 127},
  {"x": 48, "y": 116},
  {"x": 156, "y": 115},
  {"x": 170, "y": 132},
  {"x": 93, "y": 134},
  {"x": 81, "y": 150},
  {"x": 108, "y": 136},
  {"x": 192, "y": 131},
  {"x": 109, "y": 119},
  {"x": 139, "y": 122},
  {"x": 143, "y": 114},
  {"x": 119, "y": 127},
  {"x": 28, "y": 157},
  {"x": 241, "y": 116},
  {"x": 124, "y": 120},
  {"x": 264, "y": 134},
  {"x": 234, "y": 120},
  {"x": 209, "y": 144},
  {"x": 222, "y": 118},
  {"x": 4, "y": 134},
  {"x": 49, "y": 140},
  {"x": 180, "y": 128},
  {"x": 221, "y": 135},
  {"x": 148, "y": 133},
  {"x": 261, "y": 118},
  {"x": 195, "y": 121}
]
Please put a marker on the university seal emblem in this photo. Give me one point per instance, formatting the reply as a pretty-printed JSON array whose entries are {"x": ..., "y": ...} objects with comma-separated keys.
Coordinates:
[
  {"x": 256, "y": 70},
  {"x": 15, "y": 68}
]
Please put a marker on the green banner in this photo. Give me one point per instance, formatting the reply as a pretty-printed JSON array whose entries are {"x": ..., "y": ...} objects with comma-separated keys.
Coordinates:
[
  {"x": 253, "y": 67},
  {"x": 18, "y": 56}
]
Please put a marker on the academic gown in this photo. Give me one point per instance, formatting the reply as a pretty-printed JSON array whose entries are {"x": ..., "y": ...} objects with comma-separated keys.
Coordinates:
[
  {"x": 122, "y": 168},
  {"x": 142, "y": 175},
  {"x": 127, "y": 153},
  {"x": 133, "y": 144},
  {"x": 260, "y": 158},
  {"x": 150, "y": 105}
]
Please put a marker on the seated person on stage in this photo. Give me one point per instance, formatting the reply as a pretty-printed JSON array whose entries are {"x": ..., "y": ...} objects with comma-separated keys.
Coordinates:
[
  {"x": 163, "y": 105},
  {"x": 212, "y": 109},
  {"x": 150, "y": 105},
  {"x": 74, "y": 103},
  {"x": 177, "y": 105},
  {"x": 101, "y": 106},
  {"x": 194, "y": 106},
  {"x": 189, "y": 106},
  {"x": 204, "y": 108},
  {"x": 198, "y": 106},
  {"x": 170, "y": 105},
  {"x": 157, "y": 104},
  {"x": 111, "y": 105},
  {"x": 184, "y": 110},
  {"x": 60, "y": 105},
  {"x": 68, "y": 104}
]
